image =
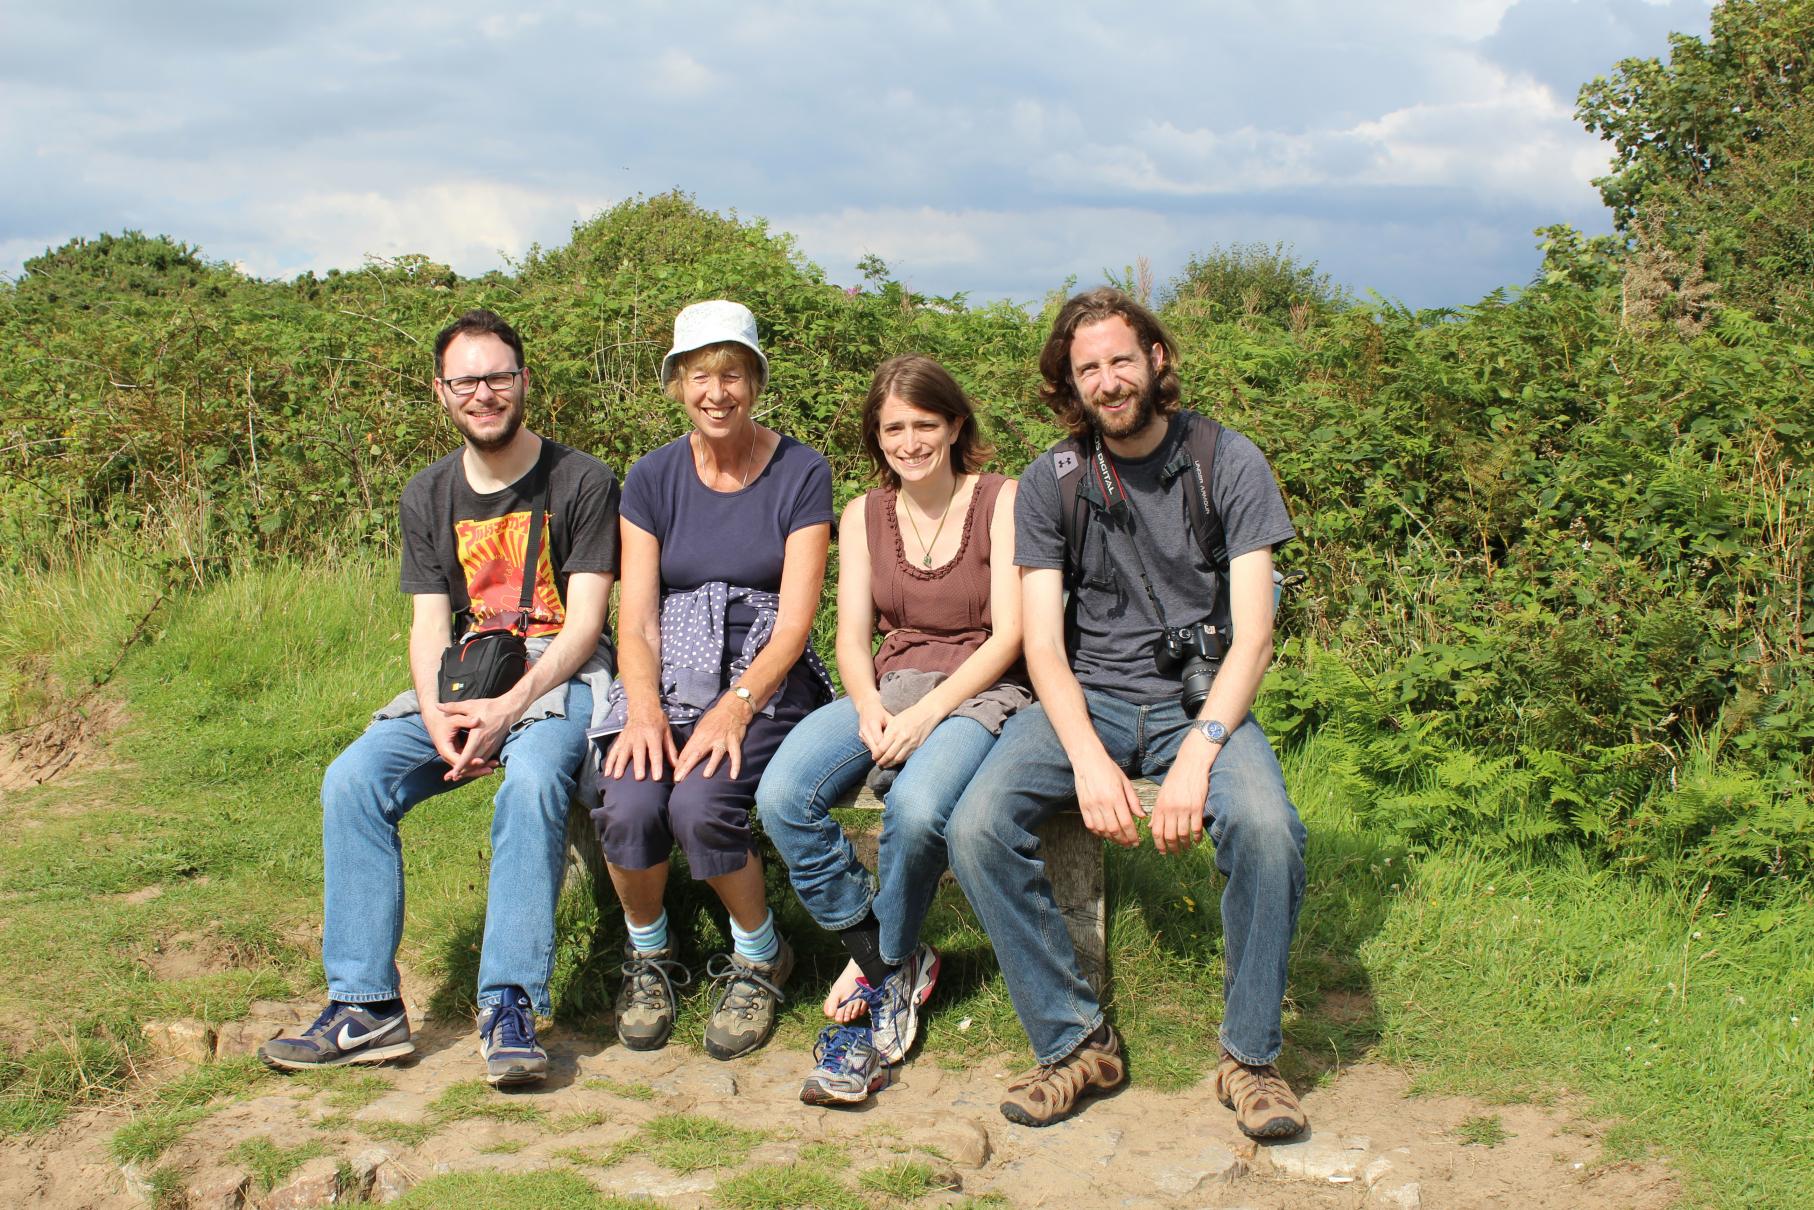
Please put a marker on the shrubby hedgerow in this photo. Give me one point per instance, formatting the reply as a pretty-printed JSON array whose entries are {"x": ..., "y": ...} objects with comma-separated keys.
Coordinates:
[{"x": 1558, "y": 565}]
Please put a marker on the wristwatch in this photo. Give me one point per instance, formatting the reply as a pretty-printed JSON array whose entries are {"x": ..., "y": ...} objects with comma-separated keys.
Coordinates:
[
  {"x": 1212, "y": 731},
  {"x": 743, "y": 695}
]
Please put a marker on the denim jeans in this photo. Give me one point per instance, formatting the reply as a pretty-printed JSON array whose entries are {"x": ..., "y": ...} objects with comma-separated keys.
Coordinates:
[
  {"x": 820, "y": 760},
  {"x": 368, "y": 790},
  {"x": 1259, "y": 843}
]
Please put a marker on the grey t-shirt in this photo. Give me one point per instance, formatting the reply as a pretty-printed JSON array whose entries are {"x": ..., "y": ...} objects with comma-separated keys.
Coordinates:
[{"x": 1116, "y": 623}]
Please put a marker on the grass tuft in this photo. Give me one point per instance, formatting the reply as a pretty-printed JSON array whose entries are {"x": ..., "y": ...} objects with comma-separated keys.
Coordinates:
[
  {"x": 578, "y": 1119},
  {"x": 903, "y": 1179},
  {"x": 268, "y": 1163},
  {"x": 552, "y": 1190},
  {"x": 785, "y": 1187},
  {"x": 348, "y": 1090},
  {"x": 685, "y": 1142},
  {"x": 181, "y": 1103},
  {"x": 1482, "y": 1130}
]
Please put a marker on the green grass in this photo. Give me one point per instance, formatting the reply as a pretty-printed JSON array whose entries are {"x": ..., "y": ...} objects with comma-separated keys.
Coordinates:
[
  {"x": 174, "y": 1107},
  {"x": 348, "y": 1089},
  {"x": 477, "y": 1099},
  {"x": 1677, "y": 1021},
  {"x": 687, "y": 1142},
  {"x": 1507, "y": 978},
  {"x": 578, "y": 1119},
  {"x": 1482, "y": 1130},
  {"x": 268, "y": 1163},
  {"x": 785, "y": 1187},
  {"x": 904, "y": 1180},
  {"x": 553, "y": 1190}
]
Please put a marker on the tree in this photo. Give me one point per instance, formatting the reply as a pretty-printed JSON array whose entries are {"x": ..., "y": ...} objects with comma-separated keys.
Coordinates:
[
  {"x": 1757, "y": 219},
  {"x": 1674, "y": 127},
  {"x": 1255, "y": 279}
]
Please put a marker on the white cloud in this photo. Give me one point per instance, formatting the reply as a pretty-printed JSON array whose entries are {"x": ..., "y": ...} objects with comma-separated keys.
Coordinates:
[
  {"x": 462, "y": 223},
  {"x": 679, "y": 74}
]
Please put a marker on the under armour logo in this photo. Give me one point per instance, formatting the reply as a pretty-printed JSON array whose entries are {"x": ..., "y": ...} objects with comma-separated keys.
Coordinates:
[{"x": 1064, "y": 461}]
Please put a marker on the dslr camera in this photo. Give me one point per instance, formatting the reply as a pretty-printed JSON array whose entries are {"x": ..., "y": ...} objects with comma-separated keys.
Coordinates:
[{"x": 1192, "y": 654}]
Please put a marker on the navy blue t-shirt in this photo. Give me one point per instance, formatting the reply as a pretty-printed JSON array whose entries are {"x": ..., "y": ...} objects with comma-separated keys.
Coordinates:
[{"x": 738, "y": 537}]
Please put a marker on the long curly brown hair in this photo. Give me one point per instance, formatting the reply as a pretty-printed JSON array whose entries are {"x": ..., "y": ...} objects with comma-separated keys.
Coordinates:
[{"x": 1093, "y": 306}]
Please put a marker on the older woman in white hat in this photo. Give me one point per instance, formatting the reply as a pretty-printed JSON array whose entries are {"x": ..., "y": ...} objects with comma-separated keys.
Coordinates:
[{"x": 724, "y": 539}]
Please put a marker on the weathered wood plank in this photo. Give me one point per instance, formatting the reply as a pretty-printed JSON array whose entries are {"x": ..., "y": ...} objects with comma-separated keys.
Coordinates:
[{"x": 1072, "y": 855}]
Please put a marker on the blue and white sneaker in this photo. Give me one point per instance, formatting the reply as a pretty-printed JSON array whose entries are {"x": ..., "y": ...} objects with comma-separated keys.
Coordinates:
[
  {"x": 894, "y": 1008},
  {"x": 343, "y": 1033},
  {"x": 507, "y": 1040},
  {"x": 849, "y": 1068}
]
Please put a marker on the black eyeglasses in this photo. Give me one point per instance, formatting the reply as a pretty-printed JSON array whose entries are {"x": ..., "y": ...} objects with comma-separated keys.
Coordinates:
[{"x": 499, "y": 381}]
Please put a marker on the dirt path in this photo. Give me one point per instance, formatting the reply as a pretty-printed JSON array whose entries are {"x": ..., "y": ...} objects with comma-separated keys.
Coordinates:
[{"x": 1371, "y": 1145}]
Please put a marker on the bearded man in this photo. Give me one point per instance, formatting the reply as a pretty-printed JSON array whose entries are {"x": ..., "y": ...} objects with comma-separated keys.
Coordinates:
[
  {"x": 469, "y": 523},
  {"x": 1145, "y": 541}
]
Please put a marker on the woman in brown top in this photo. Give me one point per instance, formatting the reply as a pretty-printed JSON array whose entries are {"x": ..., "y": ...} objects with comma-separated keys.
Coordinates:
[{"x": 927, "y": 560}]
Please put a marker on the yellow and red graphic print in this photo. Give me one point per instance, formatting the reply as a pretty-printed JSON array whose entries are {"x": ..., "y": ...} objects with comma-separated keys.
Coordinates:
[{"x": 491, "y": 554}]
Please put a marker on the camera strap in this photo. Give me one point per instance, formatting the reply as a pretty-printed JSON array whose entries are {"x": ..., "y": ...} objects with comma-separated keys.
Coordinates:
[
  {"x": 532, "y": 547},
  {"x": 1118, "y": 506}
]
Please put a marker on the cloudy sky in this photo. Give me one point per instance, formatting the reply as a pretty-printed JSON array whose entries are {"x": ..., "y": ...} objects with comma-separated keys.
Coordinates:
[{"x": 1407, "y": 146}]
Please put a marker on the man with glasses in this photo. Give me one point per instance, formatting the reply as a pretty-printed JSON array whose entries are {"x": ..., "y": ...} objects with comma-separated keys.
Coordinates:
[{"x": 467, "y": 528}]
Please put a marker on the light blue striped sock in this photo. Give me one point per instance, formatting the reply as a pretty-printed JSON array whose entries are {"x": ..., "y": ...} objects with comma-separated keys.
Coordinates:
[
  {"x": 647, "y": 938},
  {"x": 760, "y": 946}
]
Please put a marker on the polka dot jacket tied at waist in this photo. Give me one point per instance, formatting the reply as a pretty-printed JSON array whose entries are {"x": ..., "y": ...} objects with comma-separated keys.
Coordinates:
[{"x": 693, "y": 634}]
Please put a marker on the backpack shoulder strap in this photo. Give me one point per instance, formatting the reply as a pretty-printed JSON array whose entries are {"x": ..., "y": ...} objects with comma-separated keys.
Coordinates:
[
  {"x": 1205, "y": 521},
  {"x": 1073, "y": 514}
]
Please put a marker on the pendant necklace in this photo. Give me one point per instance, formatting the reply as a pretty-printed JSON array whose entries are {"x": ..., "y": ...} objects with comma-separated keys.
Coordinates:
[
  {"x": 749, "y": 459},
  {"x": 956, "y": 482}
]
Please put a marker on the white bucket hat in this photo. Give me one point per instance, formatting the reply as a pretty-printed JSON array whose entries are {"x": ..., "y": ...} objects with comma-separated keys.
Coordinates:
[{"x": 711, "y": 323}]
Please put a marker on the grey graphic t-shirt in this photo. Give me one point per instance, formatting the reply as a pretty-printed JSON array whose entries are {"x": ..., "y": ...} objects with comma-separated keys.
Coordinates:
[{"x": 1116, "y": 624}]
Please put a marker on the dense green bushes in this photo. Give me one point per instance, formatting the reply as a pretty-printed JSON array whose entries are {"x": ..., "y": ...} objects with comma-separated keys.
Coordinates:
[{"x": 1559, "y": 565}]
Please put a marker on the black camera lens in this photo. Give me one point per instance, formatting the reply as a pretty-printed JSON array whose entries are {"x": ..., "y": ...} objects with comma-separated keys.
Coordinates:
[
  {"x": 1192, "y": 653},
  {"x": 1196, "y": 677}
]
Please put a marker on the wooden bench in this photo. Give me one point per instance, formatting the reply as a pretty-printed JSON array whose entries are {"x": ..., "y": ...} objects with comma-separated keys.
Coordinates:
[{"x": 1073, "y": 858}]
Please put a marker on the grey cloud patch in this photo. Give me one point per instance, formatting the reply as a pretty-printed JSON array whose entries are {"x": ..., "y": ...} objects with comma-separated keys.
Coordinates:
[
  {"x": 1063, "y": 141},
  {"x": 1565, "y": 43}
]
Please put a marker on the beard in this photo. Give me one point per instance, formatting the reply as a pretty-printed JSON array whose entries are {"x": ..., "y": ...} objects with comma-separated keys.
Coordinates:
[
  {"x": 1128, "y": 422},
  {"x": 487, "y": 443}
]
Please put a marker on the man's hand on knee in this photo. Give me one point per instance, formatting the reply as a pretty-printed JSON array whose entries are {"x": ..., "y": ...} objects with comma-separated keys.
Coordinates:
[
  {"x": 1177, "y": 819},
  {"x": 1107, "y": 801}
]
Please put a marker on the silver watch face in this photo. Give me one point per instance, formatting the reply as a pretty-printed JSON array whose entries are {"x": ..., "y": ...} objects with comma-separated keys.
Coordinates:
[{"x": 1213, "y": 731}]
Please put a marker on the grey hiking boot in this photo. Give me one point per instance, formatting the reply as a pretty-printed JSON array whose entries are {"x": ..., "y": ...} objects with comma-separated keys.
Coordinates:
[
  {"x": 744, "y": 1015},
  {"x": 343, "y": 1033},
  {"x": 645, "y": 1002}
]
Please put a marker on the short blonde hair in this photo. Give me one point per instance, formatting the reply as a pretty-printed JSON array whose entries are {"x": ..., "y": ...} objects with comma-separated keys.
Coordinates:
[{"x": 714, "y": 359}]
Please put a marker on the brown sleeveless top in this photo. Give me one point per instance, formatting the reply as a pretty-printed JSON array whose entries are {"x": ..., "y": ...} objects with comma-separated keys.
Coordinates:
[{"x": 931, "y": 618}]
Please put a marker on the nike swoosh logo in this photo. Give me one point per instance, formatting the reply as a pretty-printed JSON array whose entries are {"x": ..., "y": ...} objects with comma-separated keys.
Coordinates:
[{"x": 348, "y": 1039}]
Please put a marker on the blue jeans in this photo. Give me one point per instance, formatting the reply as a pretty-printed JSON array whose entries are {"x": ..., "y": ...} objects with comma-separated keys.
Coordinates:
[
  {"x": 1259, "y": 843},
  {"x": 368, "y": 790},
  {"x": 819, "y": 762}
]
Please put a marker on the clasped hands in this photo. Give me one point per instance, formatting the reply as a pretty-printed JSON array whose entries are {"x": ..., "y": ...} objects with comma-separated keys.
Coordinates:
[
  {"x": 892, "y": 738},
  {"x": 468, "y": 735}
]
